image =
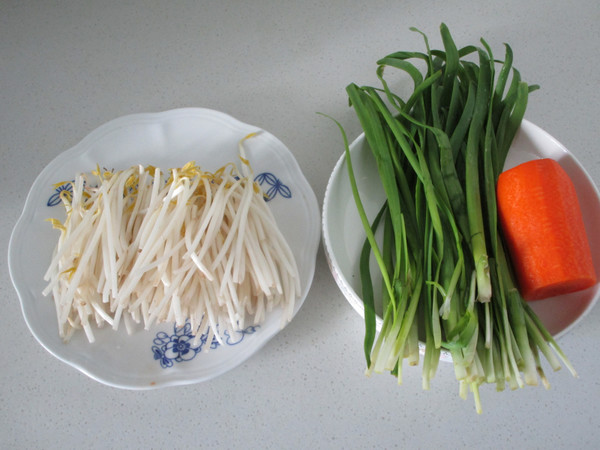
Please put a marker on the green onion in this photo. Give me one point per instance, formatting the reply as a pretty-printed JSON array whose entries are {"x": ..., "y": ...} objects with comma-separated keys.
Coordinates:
[{"x": 447, "y": 280}]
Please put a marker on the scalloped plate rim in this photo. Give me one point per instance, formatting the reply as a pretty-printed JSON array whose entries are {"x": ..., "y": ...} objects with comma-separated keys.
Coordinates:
[{"x": 83, "y": 148}]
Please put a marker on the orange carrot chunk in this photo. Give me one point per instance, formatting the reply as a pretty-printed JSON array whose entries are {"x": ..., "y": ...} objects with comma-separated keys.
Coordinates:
[{"x": 543, "y": 227}]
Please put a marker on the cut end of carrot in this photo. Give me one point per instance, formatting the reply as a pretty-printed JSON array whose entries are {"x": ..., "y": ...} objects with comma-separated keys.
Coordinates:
[
  {"x": 543, "y": 227},
  {"x": 560, "y": 288}
]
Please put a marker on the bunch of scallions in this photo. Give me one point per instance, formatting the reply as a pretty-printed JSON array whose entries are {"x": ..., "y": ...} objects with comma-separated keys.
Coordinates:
[{"x": 447, "y": 279}]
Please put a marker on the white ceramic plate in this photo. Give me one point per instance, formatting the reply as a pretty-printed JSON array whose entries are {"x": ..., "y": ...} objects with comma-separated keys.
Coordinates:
[
  {"x": 161, "y": 356},
  {"x": 343, "y": 234}
]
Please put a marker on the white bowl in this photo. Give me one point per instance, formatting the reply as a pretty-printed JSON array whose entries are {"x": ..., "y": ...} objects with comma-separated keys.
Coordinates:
[
  {"x": 343, "y": 234},
  {"x": 163, "y": 355}
]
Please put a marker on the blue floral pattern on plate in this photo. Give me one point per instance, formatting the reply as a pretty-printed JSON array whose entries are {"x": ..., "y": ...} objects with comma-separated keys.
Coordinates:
[
  {"x": 274, "y": 187},
  {"x": 55, "y": 198},
  {"x": 179, "y": 346}
]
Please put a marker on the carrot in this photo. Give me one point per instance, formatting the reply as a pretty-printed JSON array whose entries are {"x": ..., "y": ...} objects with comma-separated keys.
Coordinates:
[{"x": 543, "y": 226}]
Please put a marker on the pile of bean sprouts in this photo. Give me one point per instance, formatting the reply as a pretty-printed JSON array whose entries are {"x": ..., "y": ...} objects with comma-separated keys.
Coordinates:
[{"x": 142, "y": 245}]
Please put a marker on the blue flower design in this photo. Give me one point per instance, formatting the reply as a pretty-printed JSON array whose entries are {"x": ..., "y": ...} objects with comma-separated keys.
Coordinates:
[
  {"x": 159, "y": 354},
  {"x": 239, "y": 335},
  {"x": 275, "y": 186},
  {"x": 181, "y": 346},
  {"x": 178, "y": 347},
  {"x": 55, "y": 198}
]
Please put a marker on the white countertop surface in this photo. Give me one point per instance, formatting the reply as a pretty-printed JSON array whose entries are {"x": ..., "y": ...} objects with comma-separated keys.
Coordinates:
[{"x": 67, "y": 67}]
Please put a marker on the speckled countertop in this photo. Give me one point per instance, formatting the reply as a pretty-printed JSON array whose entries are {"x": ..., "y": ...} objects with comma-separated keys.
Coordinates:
[{"x": 69, "y": 66}]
